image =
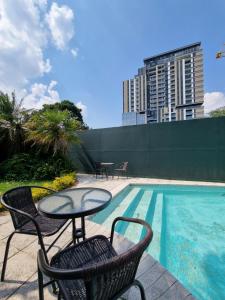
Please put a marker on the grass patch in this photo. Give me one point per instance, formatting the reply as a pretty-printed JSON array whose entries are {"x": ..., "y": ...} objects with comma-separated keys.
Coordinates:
[
  {"x": 58, "y": 184},
  {"x": 7, "y": 185}
]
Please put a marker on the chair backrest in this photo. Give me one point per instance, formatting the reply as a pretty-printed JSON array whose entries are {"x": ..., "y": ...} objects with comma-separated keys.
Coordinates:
[
  {"x": 124, "y": 165},
  {"x": 19, "y": 198},
  {"x": 108, "y": 278},
  {"x": 117, "y": 274}
]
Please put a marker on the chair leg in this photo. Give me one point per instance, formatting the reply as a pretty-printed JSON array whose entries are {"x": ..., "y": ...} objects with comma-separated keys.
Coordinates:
[
  {"x": 54, "y": 288},
  {"x": 6, "y": 256},
  {"x": 40, "y": 285},
  {"x": 141, "y": 288}
]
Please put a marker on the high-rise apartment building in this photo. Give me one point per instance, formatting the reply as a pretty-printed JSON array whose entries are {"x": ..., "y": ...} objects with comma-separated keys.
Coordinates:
[{"x": 168, "y": 88}]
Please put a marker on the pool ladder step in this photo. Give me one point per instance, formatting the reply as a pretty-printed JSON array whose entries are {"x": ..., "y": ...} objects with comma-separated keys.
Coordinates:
[
  {"x": 122, "y": 207},
  {"x": 156, "y": 227},
  {"x": 134, "y": 231}
]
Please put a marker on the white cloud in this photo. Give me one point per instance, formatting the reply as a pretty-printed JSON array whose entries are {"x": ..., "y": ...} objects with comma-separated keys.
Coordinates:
[
  {"x": 24, "y": 36},
  {"x": 22, "y": 40},
  {"x": 60, "y": 20},
  {"x": 213, "y": 101},
  {"x": 83, "y": 108},
  {"x": 74, "y": 52},
  {"x": 40, "y": 94},
  {"x": 41, "y": 3}
]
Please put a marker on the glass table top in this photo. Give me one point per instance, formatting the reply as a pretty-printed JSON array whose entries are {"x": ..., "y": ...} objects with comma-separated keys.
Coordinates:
[{"x": 76, "y": 202}]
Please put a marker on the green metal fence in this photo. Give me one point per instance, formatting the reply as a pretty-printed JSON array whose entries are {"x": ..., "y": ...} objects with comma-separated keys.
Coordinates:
[{"x": 192, "y": 150}]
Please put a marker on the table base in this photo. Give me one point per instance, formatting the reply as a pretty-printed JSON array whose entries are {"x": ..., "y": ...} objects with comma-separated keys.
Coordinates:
[{"x": 78, "y": 233}]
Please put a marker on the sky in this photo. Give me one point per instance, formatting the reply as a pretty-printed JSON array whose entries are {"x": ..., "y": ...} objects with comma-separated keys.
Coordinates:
[{"x": 82, "y": 50}]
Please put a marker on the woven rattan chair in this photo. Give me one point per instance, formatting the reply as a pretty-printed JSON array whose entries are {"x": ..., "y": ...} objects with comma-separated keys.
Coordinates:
[
  {"x": 121, "y": 169},
  {"x": 27, "y": 220},
  {"x": 92, "y": 269}
]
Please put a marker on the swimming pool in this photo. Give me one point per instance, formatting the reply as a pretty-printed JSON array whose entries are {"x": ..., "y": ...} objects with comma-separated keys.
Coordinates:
[{"x": 189, "y": 231}]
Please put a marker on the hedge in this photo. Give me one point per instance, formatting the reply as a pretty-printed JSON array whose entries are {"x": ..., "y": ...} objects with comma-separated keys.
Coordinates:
[{"x": 58, "y": 184}]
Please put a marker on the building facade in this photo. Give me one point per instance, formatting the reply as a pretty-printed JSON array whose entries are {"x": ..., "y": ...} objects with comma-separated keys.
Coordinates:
[
  {"x": 168, "y": 88},
  {"x": 133, "y": 118}
]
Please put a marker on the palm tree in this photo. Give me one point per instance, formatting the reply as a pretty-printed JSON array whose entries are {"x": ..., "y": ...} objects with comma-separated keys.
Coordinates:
[
  {"x": 53, "y": 130},
  {"x": 12, "y": 119}
]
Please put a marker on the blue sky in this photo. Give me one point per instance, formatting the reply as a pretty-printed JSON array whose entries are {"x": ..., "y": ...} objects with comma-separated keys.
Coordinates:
[{"x": 110, "y": 39}]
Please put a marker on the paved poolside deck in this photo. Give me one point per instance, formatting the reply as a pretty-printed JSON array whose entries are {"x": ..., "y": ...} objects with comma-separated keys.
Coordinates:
[{"x": 21, "y": 275}]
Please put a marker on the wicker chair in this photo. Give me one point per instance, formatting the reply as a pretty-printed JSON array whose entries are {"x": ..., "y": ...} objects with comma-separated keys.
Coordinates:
[
  {"x": 92, "y": 269},
  {"x": 121, "y": 169},
  {"x": 27, "y": 220}
]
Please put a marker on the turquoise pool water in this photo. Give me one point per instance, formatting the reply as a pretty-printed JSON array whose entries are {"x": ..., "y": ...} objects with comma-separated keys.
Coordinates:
[{"x": 189, "y": 231}]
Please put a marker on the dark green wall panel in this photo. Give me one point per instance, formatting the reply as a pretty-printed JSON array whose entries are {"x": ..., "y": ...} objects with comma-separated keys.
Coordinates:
[{"x": 192, "y": 150}]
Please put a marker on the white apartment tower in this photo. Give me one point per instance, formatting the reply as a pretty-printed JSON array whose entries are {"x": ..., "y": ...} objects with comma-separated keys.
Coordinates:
[{"x": 168, "y": 88}]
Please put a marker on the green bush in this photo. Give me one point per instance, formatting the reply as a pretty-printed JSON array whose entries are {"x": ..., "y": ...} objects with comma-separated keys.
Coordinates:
[
  {"x": 58, "y": 184},
  {"x": 1, "y": 207},
  {"x": 25, "y": 166}
]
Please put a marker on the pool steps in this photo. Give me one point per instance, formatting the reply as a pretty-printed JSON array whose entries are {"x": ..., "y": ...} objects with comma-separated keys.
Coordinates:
[
  {"x": 122, "y": 207},
  {"x": 133, "y": 231},
  {"x": 145, "y": 205},
  {"x": 156, "y": 227}
]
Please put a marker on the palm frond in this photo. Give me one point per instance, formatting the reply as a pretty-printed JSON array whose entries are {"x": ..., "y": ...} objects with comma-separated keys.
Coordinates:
[{"x": 53, "y": 130}]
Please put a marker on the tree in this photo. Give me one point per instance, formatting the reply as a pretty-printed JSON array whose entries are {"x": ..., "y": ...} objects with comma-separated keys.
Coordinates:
[
  {"x": 12, "y": 120},
  {"x": 53, "y": 130},
  {"x": 71, "y": 107},
  {"x": 220, "y": 112}
]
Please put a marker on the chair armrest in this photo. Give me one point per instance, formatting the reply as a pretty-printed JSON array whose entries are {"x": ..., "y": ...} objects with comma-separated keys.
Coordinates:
[
  {"x": 85, "y": 272},
  {"x": 28, "y": 216},
  {"x": 89, "y": 271},
  {"x": 56, "y": 273},
  {"x": 132, "y": 220}
]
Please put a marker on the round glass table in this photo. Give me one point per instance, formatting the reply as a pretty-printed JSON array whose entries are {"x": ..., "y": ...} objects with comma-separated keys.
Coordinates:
[{"x": 75, "y": 203}]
